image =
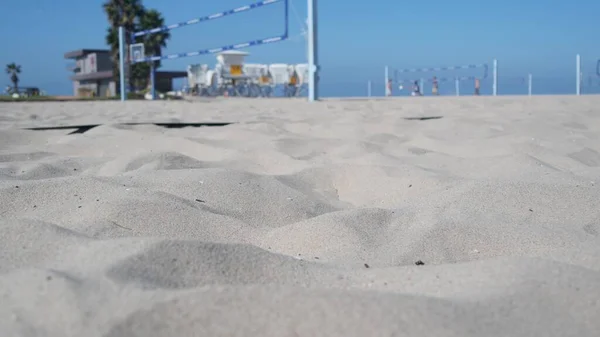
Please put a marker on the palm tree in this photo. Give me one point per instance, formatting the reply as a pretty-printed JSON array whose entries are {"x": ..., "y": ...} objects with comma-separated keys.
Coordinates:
[
  {"x": 153, "y": 43},
  {"x": 123, "y": 13},
  {"x": 14, "y": 70},
  {"x": 132, "y": 15}
]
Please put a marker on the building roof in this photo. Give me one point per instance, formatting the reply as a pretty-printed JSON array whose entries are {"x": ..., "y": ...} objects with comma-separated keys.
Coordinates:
[
  {"x": 102, "y": 75},
  {"x": 82, "y": 52}
]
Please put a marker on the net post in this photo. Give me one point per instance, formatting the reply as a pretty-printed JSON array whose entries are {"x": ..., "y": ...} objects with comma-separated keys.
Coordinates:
[
  {"x": 313, "y": 75},
  {"x": 386, "y": 80},
  {"x": 286, "y": 12},
  {"x": 578, "y": 75},
  {"x": 152, "y": 80},
  {"x": 495, "y": 78},
  {"x": 457, "y": 86},
  {"x": 122, "y": 63}
]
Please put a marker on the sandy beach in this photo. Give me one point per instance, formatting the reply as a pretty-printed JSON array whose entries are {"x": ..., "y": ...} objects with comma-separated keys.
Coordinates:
[{"x": 430, "y": 216}]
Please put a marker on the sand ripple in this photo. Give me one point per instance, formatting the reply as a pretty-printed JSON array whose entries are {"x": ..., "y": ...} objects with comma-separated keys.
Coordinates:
[{"x": 302, "y": 220}]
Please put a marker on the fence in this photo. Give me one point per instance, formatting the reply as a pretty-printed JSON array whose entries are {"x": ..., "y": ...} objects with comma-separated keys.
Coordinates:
[
  {"x": 371, "y": 81},
  {"x": 506, "y": 86},
  {"x": 460, "y": 80}
]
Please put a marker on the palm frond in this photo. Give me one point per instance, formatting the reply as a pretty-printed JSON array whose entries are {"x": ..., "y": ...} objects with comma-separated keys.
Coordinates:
[{"x": 131, "y": 15}]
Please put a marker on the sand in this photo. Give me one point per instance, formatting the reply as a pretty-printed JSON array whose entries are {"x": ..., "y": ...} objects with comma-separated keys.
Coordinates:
[{"x": 392, "y": 217}]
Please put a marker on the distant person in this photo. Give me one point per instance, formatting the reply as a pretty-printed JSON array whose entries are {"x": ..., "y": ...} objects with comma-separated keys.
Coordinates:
[
  {"x": 388, "y": 89},
  {"x": 434, "y": 86},
  {"x": 416, "y": 90},
  {"x": 477, "y": 85}
]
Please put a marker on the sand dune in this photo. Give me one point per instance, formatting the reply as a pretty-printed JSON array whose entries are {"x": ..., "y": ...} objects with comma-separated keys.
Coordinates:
[{"x": 342, "y": 218}]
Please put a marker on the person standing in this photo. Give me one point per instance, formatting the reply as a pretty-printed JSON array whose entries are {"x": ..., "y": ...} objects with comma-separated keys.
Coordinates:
[
  {"x": 434, "y": 86},
  {"x": 477, "y": 84},
  {"x": 416, "y": 90}
]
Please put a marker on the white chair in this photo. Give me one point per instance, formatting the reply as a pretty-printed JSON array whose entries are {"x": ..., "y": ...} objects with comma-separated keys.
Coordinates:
[
  {"x": 259, "y": 80},
  {"x": 197, "y": 75},
  {"x": 253, "y": 71},
  {"x": 203, "y": 81},
  {"x": 302, "y": 72},
  {"x": 280, "y": 73}
]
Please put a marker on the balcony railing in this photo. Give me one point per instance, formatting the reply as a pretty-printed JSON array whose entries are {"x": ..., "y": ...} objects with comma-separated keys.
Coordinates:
[{"x": 73, "y": 67}]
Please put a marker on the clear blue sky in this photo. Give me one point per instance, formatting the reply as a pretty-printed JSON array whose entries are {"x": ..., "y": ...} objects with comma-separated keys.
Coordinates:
[{"x": 537, "y": 36}]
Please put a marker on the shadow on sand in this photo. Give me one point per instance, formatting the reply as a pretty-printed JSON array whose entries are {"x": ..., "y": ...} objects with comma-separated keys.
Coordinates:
[
  {"x": 79, "y": 129},
  {"x": 422, "y": 118}
]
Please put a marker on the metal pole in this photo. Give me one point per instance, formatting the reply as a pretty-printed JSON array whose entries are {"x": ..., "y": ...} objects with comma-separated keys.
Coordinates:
[
  {"x": 578, "y": 70},
  {"x": 369, "y": 88},
  {"x": 387, "y": 78},
  {"x": 313, "y": 61},
  {"x": 422, "y": 87},
  {"x": 152, "y": 81},
  {"x": 530, "y": 84},
  {"x": 122, "y": 62},
  {"x": 495, "y": 74},
  {"x": 457, "y": 86}
]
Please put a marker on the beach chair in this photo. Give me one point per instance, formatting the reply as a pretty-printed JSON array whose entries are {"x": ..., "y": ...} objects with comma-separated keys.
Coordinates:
[
  {"x": 266, "y": 81},
  {"x": 280, "y": 76},
  {"x": 200, "y": 79},
  {"x": 302, "y": 72},
  {"x": 293, "y": 85},
  {"x": 256, "y": 75}
]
